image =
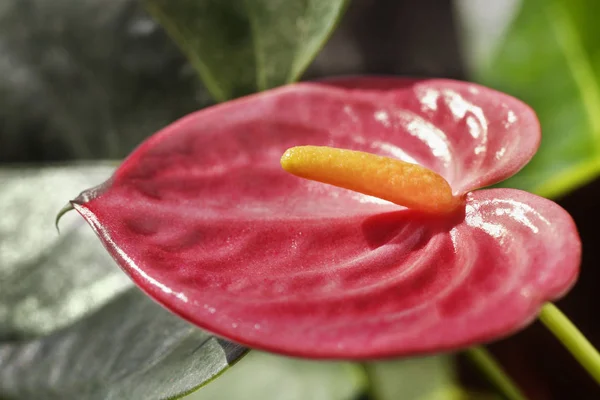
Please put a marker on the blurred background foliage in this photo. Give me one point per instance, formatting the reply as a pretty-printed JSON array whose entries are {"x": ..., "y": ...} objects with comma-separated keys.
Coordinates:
[{"x": 85, "y": 81}]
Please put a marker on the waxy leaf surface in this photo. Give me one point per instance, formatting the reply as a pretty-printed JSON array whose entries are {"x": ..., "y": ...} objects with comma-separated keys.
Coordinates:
[
  {"x": 129, "y": 349},
  {"x": 203, "y": 218},
  {"x": 71, "y": 324},
  {"x": 48, "y": 281}
]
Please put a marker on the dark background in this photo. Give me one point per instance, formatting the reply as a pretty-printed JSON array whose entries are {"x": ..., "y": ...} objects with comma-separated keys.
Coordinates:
[{"x": 90, "y": 79}]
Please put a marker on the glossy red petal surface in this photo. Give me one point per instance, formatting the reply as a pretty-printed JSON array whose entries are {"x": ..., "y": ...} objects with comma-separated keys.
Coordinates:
[
  {"x": 472, "y": 135},
  {"x": 204, "y": 220}
]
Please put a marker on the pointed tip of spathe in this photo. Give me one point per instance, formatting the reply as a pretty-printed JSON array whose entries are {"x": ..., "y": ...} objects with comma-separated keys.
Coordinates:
[
  {"x": 83, "y": 197},
  {"x": 68, "y": 207}
]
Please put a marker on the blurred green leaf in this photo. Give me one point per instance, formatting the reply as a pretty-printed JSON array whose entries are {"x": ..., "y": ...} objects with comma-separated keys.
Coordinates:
[
  {"x": 125, "y": 347},
  {"x": 550, "y": 58},
  {"x": 87, "y": 79},
  {"x": 269, "y": 377},
  {"x": 243, "y": 46},
  {"x": 423, "y": 378}
]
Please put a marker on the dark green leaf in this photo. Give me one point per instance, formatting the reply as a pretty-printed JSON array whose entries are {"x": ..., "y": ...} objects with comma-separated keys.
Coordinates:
[
  {"x": 550, "y": 58},
  {"x": 268, "y": 377},
  {"x": 243, "y": 46},
  {"x": 48, "y": 280},
  {"x": 130, "y": 349},
  {"x": 83, "y": 79},
  {"x": 126, "y": 347}
]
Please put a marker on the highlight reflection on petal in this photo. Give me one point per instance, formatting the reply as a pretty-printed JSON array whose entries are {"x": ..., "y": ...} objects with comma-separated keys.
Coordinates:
[{"x": 471, "y": 135}]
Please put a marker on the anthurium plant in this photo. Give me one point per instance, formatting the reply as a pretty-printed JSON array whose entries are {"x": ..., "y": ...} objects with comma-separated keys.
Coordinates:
[
  {"x": 344, "y": 232},
  {"x": 385, "y": 249}
]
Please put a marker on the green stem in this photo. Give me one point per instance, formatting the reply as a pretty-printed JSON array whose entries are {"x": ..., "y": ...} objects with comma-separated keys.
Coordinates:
[
  {"x": 494, "y": 372},
  {"x": 572, "y": 339}
]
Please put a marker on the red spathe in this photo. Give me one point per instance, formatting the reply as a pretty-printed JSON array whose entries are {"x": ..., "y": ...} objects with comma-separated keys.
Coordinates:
[{"x": 204, "y": 219}]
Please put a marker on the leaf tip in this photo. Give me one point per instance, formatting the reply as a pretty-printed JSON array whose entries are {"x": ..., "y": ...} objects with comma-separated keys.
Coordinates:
[{"x": 68, "y": 207}]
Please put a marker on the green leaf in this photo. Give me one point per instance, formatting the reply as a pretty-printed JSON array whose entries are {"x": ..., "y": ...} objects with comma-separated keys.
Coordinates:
[
  {"x": 47, "y": 280},
  {"x": 104, "y": 339},
  {"x": 243, "y": 46},
  {"x": 87, "y": 79},
  {"x": 423, "y": 378},
  {"x": 550, "y": 58},
  {"x": 268, "y": 377},
  {"x": 130, "y": 349}
]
